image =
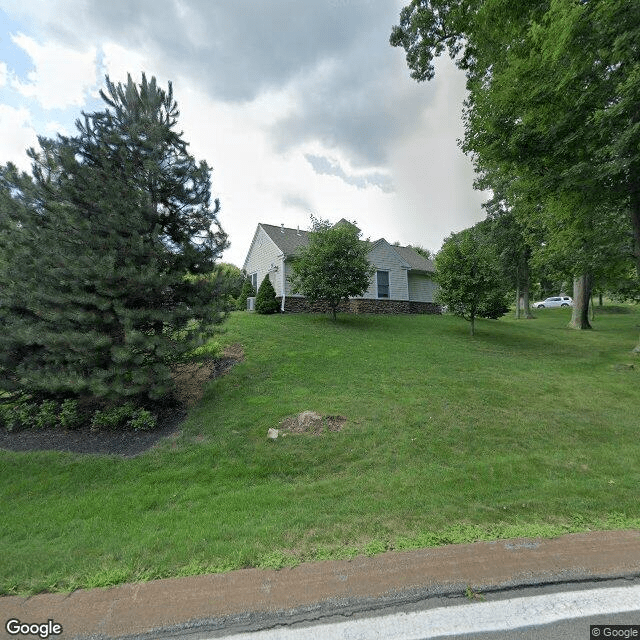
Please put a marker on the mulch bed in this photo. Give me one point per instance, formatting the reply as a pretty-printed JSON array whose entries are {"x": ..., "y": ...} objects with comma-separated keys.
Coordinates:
[
  {"x": 122, "y": 443},
  {"x": 127, "y": 443}
]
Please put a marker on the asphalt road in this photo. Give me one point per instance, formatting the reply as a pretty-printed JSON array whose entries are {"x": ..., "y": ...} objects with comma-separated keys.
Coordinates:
[{"x": 560, "y": 611}]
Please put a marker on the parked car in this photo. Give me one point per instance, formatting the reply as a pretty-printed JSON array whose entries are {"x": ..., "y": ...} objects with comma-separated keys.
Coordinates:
[{"x": 554, "y": 301}]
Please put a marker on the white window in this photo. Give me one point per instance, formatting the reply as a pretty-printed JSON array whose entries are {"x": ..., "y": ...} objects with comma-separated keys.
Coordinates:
[
  {"x": 382, "y": 279},
  {"x": 254, "y": 281}
]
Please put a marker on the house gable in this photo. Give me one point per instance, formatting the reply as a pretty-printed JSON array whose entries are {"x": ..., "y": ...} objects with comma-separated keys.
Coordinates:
[
  {"x": 383, "y": 257},
  {"x": 264, "y": 258}
]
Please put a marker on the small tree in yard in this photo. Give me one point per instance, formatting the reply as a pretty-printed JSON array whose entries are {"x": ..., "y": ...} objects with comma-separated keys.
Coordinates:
[
  {"x": 266, "y": 299},
  {"x": 469, "y": 278},
  {"x": 247, "y": 292},
  {"x": 333, "y": 266}
]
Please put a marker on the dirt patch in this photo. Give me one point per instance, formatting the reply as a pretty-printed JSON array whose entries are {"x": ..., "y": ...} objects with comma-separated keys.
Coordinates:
[
  {"x": 190, "y": 381},
  {"x": 292, "y": 424},
  {"x": 191, "y": 378}
]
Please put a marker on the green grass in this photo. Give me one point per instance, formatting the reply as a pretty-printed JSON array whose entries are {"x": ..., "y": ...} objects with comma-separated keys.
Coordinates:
[{"x": 528, "y": 429}]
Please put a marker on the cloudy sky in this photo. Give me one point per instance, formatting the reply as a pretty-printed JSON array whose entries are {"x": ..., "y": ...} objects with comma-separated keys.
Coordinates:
[{"x": 299, "y": 106}]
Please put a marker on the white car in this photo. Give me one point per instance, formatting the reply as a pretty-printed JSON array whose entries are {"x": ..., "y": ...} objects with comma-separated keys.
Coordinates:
[{"x": 555, "y": 301}]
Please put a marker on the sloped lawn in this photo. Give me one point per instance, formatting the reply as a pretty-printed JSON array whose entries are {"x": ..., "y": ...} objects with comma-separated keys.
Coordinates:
[{"x": 527, "y": 429}]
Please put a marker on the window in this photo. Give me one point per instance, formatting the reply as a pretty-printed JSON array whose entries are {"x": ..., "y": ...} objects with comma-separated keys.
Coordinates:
[
  {"x": 382, "y": 278},
  {"x": 254, "y": 281}
]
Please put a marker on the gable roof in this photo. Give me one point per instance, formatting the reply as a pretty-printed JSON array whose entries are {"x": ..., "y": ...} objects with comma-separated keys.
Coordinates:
[
  {"x": 290, "y": 240},
  {"x": 415, "y": 260}
]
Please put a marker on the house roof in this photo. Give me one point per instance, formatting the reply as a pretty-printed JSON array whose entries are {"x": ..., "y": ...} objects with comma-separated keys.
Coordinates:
[
  {"x": 415, "y": 260},
  {"x": 287, "y": 240},
  {"x": 290, "y": 240}
]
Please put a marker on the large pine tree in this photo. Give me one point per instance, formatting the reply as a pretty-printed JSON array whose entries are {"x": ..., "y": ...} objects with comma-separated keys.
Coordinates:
[{"x": 97, "y": 245}]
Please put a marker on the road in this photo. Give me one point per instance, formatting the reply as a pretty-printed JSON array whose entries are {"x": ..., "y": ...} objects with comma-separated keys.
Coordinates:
[{"x": 564, "y": 612}]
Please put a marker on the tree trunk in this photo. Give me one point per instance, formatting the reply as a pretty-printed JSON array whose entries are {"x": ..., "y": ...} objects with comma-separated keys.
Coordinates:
[
  {"x": 525, "y": 292},
  {"x": 581, "y": 297},
  {"x": 473, "y": 322}
]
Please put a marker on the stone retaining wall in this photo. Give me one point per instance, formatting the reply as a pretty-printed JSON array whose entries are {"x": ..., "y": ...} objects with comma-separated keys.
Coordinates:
[{"x": 361, "y": 305}]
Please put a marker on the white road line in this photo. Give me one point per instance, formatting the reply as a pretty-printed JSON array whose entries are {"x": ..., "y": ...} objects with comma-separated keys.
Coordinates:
[{"x": 466, "y": 618}]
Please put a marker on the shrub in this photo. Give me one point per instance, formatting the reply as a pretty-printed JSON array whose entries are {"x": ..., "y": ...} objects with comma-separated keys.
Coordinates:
[
  {"x": 69, "y": 416},
  {"x": 112, "y": 417},
  {"x": 124, "y": 416},
  {"x": 247, "y": 292},
  {"x": 20, "y": 415},
  {"x": 47, "y": 415},
  {"x": 266, "y": 299},
  {"x": 211, "y": 349},
  {"x": 142, "y": 420}
]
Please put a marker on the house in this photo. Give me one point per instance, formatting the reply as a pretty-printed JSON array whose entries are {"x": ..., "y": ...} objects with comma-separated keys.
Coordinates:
[{"x": 403, "y": 281}]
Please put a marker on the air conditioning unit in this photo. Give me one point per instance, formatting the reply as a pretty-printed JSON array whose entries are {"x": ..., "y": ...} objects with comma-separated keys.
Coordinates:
[{"x": 251, "y": 303}]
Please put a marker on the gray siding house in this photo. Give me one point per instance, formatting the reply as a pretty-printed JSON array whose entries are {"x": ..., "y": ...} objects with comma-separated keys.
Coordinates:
[{"x": 403, "y": 281}]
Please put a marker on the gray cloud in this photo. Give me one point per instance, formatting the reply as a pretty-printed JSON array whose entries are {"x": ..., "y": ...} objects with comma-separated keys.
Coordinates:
[
  {"x": 352, "y": 89},
  {"x": 296, "y": 201},
  {"x": 358, "y": 103},
  {"x": 236, "y": 48},
  {"x": 325, "y": 166}
]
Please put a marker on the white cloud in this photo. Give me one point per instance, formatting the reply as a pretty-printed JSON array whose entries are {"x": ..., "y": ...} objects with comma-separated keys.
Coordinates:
[
  {"x": 117, "y": 61},
  {"x": 53, "y": 128},
  {"x": 62, "y": 77},
  {"x": 17, "y": 135},
  {"x": 3, "y": 74}
]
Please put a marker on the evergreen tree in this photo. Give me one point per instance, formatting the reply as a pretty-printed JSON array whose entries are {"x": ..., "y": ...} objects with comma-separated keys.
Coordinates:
[
  {"x": 266, "y": 299},
  {"x": 247, "y": 292},
  {"x": 94, "y": 294}
]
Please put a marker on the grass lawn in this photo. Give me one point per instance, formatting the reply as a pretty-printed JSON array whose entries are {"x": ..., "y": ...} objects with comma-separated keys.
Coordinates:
[{"x": 528, "y": 429}]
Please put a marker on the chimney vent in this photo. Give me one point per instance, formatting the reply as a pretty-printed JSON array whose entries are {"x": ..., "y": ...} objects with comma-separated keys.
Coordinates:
[
  {"x": 282, "y": 228},
  {"x": 298, "y": 229}
]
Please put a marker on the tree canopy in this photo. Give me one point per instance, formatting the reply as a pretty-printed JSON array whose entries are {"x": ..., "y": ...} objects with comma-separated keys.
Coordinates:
[{"x": 552, "y": 112}]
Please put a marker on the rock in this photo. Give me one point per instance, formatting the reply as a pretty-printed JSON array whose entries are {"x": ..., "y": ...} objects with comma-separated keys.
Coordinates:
[
  {"x": 309, "y": 420},
  {"x": 272, "y": 433}
]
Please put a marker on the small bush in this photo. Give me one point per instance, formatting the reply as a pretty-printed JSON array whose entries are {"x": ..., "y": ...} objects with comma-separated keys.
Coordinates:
[
  {"x": 47, "y": 415},
  {"x": 19, "y": 415},
  {"x": 209, "y": 350},
  {"x": 247, "y": 292},
  {"x": 125, "y": 416},
  {"x": 266, "y": 299},
  {"x": 112, "y": 417},
  {"x": 69, "y": 416},
  {"x": 143, "y": 420}
]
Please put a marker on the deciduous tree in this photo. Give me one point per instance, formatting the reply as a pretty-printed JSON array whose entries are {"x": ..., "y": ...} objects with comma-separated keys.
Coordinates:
[
  {"x": 469, "y": 278},
  {"x": 553, "y": 100},
  {"x": 333, "y": 266}
]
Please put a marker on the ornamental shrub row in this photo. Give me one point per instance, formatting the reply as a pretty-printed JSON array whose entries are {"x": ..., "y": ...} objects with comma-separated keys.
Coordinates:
[{"x": 50, "y": 414}]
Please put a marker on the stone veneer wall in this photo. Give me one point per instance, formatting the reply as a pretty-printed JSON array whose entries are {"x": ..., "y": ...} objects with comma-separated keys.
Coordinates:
[{"x": 361, "y": 305}]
